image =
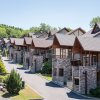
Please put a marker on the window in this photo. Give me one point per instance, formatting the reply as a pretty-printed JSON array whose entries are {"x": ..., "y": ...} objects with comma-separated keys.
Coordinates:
[
  {"x": 94, "y": 59},
  {"x": 76, "y": 81},
  {"x": 61, "y": 72},
  {"x": 86, "y": 61}
]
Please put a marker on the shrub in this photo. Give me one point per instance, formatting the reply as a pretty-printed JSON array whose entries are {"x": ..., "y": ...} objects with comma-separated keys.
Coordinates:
[
  {"x": 2, "y": 78},
  {"x": 2, "y": 67},
  {"x": 95, "y": 92},
  {"x": 47, "y": 68},
  {"x": 13, "y": 82}
]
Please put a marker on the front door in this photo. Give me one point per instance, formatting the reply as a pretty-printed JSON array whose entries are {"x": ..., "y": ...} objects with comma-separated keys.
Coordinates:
[
  {"x": 28, "y": 63},
  {"x": 35, "y": 65},
  {"x": 16, "y": 57}
]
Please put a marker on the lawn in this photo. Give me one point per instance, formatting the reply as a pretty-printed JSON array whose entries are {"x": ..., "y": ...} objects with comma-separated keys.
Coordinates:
[
  {"x": 24, "y": 94},
  {"x": 48, "y": 77},
  {"x": 20, "y": 65}
]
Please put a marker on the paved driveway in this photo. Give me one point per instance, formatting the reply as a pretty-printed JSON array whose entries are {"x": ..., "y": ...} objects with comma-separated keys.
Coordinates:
[{"x": 45, "y": 88}]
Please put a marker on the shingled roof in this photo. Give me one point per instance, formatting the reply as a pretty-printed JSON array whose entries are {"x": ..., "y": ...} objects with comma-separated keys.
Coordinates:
[
  {"x": 12, "y": 40},
  {"x": 19, "y": 41},
  {"x": 6, "y": 40},
  {"x": 28, "y": 40},
  {"x": 63, "y": 29},
  {"x": 90, "y": 44},
  {"x": 65, "y": 40},
  {"x": 91, "y": 33},
  {"x": 69, "y": 33},
  {"x": 42, "y": 43}
]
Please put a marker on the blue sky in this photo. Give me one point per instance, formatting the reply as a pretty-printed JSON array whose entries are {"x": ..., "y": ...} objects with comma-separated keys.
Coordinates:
[{"x": 57, "y": 13}]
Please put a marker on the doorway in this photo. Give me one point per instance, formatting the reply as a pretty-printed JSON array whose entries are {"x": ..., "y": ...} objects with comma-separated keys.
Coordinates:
[
  {"x": 35, "y": 65},
  {"x": 28, "y": 62}
]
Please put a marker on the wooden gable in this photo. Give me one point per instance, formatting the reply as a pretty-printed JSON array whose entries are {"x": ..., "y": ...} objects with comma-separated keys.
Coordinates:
[
  {"x": 32, "y": 45},
  {"x": 95, "y": 29},
  {"x": 77, "y": 48},
  {"x": 56, "y": 43},
  {"x": 77, "y": 32}
]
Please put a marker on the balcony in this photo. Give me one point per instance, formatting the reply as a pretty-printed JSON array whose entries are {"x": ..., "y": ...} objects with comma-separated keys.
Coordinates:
[{"x": 76, "y": 62}]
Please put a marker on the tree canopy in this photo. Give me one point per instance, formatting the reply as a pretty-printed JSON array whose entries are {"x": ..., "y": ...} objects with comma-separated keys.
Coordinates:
[
  {"x": 42, "y": 28},
  {"x": 10, "y": 31},
  {"x": 94, "y": 20},
  {"x": 7, "y": 31}
]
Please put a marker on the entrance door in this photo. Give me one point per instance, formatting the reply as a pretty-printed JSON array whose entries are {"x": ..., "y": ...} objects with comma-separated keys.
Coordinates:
[
  {"x": 35, "y": 65},
  {"x": 28, "y": 62},
  {"x": 21, "y": 58},
  {"x": 16, "y": 57},
  {"x": 11, "y": 56}
]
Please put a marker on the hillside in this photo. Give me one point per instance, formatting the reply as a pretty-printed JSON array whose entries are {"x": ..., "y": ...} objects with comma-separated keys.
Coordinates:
[{"x": 10, "y": 31}]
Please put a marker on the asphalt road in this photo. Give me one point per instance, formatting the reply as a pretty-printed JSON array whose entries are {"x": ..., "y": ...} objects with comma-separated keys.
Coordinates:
[{"x": 47, "y": 89}]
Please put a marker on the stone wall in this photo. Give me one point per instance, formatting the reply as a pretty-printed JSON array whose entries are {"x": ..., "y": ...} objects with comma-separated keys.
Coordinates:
[
  {"x": 36, "y": 64},
  {"x": 61, "y": 63},
  {"x": 17, "y": 56},
  {"x": 11, "y": 53},
  {"x": 25, "y": 57},
  {"x": 80, "y": 74}
]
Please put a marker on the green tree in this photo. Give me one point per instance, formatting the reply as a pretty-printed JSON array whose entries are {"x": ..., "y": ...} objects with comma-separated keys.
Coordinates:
[
  {"x": 42, "y": 28},
  {"x": 47, "y": 68},
  {"x": 2, "y": 32},
  {"x": 94, "y": 20},
  {"x": 10, "y": 31},
  {"x": 13, "y": 82},
  {"x": 45, "y": 28}
]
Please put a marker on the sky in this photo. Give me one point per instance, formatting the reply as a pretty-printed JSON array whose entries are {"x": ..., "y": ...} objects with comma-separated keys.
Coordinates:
[{"x": 57, "y": 13}]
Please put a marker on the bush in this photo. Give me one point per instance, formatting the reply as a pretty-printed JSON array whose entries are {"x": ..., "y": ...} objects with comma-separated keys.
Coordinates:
[
  {"x": 47, "y": 68},
  {"x": 2, "y": 78},
  {"x": 2, "y": 67},
  {"x": 95, "y": 92},
  {"x": 13, "y": 82}
]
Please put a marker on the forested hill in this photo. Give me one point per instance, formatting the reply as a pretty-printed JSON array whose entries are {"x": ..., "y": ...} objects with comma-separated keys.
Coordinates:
[{"x": 10, "y": 31}]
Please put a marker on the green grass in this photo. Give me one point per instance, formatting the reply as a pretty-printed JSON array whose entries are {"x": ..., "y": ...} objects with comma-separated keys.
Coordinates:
[
  {"x": 48, "y": 77},
  {"x": 20, "y": 65},
  {"x": 24, "y": 94}
]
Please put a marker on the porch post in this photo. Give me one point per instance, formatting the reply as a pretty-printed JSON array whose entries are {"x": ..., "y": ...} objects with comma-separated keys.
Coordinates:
[
  {"x": 60, "y": 52},
  {"x": 97, "y": 61},
  {"x": 85, "y": 58},
  {"x": 89, "y": 58},
  {"x": 81, "y": 58}
]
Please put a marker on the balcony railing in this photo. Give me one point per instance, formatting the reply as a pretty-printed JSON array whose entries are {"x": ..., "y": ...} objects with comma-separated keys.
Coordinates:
[{"x": 58, "y": 56}]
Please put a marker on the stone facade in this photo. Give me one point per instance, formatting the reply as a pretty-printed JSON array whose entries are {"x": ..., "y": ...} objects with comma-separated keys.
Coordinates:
[
  {"x": 78, "y": 72},
  {"x": 37, "y": 62},
  {"x": 11, "y": 53},
  {"x": 26, "y": 59},
  {"x": 61, "y": 63},
  {"x": 18, "y": 56}
]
